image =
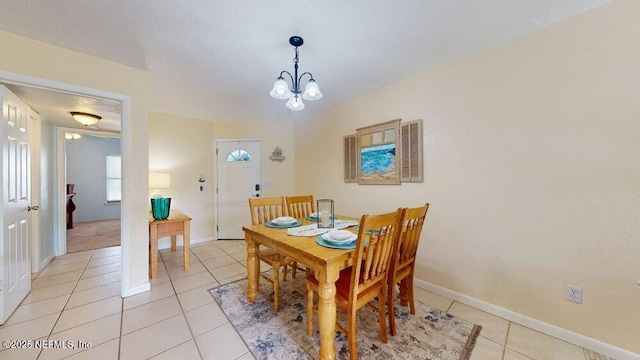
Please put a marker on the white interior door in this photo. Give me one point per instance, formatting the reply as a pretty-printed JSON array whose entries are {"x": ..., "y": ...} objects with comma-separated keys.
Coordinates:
[
  {"x": 15, "y": 267},
  {"x": 239, "y": 178}
]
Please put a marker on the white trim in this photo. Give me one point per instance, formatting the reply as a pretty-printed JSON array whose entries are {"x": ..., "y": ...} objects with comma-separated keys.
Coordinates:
[
  {"x": 61, "y": 181},
  {"x": 125, "y": 153},
  {"x": 137, "y": 290},
  {"x": 180, "y": 243},
  {"x": 40, "y": 83},
  {"x": 46, "y": 261},
  {"x": 543, "y": 327}
]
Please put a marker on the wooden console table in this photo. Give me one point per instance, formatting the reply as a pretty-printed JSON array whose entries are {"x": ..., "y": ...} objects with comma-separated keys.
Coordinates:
[{"x": 176, "y": 224}]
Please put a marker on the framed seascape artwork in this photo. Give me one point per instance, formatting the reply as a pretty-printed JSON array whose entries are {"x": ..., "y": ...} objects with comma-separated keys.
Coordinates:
[{"x": 378, "y": 153}]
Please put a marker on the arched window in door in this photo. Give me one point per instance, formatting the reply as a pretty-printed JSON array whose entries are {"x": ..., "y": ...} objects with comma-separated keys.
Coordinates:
[{"x": 238, "y": 155}]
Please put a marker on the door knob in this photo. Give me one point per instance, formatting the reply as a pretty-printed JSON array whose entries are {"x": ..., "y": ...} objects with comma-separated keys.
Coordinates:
[{"x": 35, "y": 207}]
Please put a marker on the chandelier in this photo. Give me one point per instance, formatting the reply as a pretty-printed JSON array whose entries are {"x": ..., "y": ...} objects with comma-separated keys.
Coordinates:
[{"x": 281, "y": 88}]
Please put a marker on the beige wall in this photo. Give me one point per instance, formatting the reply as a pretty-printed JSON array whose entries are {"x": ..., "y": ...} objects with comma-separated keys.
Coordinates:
[
  {"x": 33, "y": 58},
  {"x": 184, "y": 148},
  {"x": 532, "y": 161},
  {"x": 273, "y": 134}
]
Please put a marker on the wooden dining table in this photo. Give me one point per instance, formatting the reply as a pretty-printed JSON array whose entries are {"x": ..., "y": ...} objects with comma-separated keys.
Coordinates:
[{"x": 325, "y": 262}]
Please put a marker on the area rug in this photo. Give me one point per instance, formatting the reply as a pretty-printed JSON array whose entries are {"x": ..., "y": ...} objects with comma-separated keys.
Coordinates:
[{"x": 429, "y": 334}]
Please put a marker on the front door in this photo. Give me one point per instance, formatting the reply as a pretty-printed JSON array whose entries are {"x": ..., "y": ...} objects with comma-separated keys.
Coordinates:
[
  {"x": 15, "y": 267},
  {"x": 239, "y": 178}
]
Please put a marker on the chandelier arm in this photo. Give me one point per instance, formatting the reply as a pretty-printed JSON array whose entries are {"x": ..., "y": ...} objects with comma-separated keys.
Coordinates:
[
  {"x": 303, "y": 74},
  {"x": 288, "y": 73}
]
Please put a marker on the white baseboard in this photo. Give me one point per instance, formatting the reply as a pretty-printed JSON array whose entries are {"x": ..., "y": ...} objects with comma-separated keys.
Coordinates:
[
  {"x": 167, "y": 243},
  {"x": 43, "y": 264},
  {"x": 136, "y": 290},
  {"x": 543, "y": 327}
]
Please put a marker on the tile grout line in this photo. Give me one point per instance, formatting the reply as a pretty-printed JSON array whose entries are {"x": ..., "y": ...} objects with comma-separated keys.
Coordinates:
[
  {"x": 72, "y": 292},
  {"x": 506, "y": 339},
  {"x": 120, "y": 334},
  {"x": 65, "y": 304},
  {"x": 184, "y": 315}
]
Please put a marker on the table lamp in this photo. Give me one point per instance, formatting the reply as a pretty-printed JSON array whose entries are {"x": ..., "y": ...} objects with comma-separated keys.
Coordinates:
[{"x": 159, "y": 205}]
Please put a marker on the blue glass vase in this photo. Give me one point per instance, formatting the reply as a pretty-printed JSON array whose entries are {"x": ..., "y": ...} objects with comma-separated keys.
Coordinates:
[{"x": 160, "y": 208}]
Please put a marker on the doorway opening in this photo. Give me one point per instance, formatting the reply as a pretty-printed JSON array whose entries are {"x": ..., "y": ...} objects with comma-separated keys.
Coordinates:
[
  {"x": 93, "y": 183},
  {"x": 57, "y": 191}
]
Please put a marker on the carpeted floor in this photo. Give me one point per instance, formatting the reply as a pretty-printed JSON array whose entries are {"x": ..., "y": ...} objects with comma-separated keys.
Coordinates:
[
  {"x": 93, "y": 235},
  {"x": 430, "y": 334}
]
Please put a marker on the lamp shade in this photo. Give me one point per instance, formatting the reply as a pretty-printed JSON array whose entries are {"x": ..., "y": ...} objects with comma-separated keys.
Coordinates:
[
  {"x": 158, "y": 180},
  {"x": 312, "y": 91},
  {"x": 295, "y": 103},
  {"x": 280, "y": 89}
]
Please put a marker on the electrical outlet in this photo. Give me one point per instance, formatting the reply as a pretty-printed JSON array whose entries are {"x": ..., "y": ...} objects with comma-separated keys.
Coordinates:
[{"x": 574, "y": 294}]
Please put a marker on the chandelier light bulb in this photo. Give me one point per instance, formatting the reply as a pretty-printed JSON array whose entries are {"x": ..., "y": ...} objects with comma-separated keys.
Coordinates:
[
  {"x": 312, "y": 91},
  {"x": 295, "y": 103},
  {"x": 280, "y": 89}
]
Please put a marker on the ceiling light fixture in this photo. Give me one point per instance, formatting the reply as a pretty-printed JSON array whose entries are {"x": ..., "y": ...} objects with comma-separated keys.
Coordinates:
[
  {"x": 85, "y": 118},
  {"x": 281, "y": 88},
  {"x": 72, "y": 136}
]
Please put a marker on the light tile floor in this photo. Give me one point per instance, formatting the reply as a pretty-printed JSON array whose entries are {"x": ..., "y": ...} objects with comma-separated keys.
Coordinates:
[{"x": 77, "y": 299}]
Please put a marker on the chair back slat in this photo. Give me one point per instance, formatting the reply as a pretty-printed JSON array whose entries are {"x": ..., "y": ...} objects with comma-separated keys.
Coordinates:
[
  {"x": 377, "y": 237},
  {"x": 403, "y": 262},
  {"x": 411, "y": 232},
  {"x": 300, "y": 206},
  {"x": 266, "y": 209}
]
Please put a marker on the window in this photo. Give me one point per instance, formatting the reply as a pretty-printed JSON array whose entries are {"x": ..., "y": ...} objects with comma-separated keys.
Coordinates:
[
  {"x": 239, "y": 155},
  {"x": 113, "y": 179}
]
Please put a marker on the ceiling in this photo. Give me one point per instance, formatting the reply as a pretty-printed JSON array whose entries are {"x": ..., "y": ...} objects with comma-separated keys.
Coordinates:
[
  {"x": 218, "y": 59},
  {"x": 56, "y": 107}
]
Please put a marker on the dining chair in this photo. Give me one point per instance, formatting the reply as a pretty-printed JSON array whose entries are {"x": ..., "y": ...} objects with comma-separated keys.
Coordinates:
[
  {"x": 300, "y": 206},
  {"x": 366, "y": 279},
  {"x": 262, "y": 211},
  {"x": 403, "y": 262}
]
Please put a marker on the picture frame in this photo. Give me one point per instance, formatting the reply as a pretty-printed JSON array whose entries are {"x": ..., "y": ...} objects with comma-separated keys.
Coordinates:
[{"x": 378, "y": 153}]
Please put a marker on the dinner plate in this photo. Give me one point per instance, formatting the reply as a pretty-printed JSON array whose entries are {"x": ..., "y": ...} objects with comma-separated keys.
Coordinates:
[
  {"x": 348, "y": 246},
  {"x": 284, "y": 220},
  {"x": 283, "y": 226},
  {"x": 339, "y": 236}
]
